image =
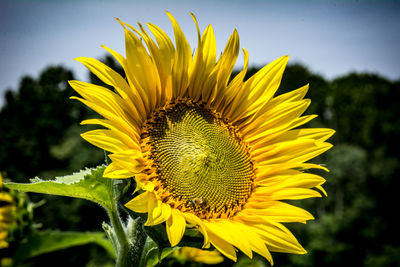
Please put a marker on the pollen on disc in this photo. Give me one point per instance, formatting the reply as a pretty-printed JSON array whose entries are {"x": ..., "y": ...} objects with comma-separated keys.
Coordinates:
[{"x": 202, "y": 163}]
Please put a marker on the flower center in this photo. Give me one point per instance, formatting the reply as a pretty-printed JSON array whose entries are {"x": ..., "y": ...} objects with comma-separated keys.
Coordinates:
[{"x": 200, "y": 162}]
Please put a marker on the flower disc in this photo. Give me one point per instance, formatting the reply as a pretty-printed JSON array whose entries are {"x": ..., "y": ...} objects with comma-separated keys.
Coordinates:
[{"x": 200, "y": 161}]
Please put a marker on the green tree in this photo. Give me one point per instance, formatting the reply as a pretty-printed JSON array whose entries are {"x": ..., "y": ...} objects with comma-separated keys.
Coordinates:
[{"x": 35, "y": 118}]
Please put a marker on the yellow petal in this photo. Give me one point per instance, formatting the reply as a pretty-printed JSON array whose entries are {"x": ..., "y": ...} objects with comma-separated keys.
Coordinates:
[
  {"x": 6, "y": 214},
  {"x": 3, "y": 244},
  {"x": 273, "y": 211},
  {"x": 224, "y": 99},
  {"x": 104, "y": 73},
  {"x": 278, "y": 238},
  {"x": 133, "y": 93},
  {"x": 117, "y": 121},
  {"x": 293, "y": 179},
  {"x": 114, "y": 172},
  {"x": 276, "y": 133},
  {"x": 243, "y": 231},
  {"x": 287, "y": 193},
  {"x": 141, "y": 71},
  {"x": 293, "y": 151},
  {"x": 224, "y": 247},
  {"x": 318, "y": 134},
  {"x": 105, "y": 139},
  {"x": 4, "y": 197},
  {"x": 125, "y": 135},
  {"x": 291, "y": 96},
  {"x": 203, "y": 63},
  {"x": 158, "y": 212},
  {"x": 167, "y": 51},
  {"x": 131, "y": 160},
  {"x": 175, "y": 226},
  {"x": 162, "y": 64},
  {"x": 140, "y": 203},
  {"x": 228, "y": 231},
  {"x": 287, "y": 98},
  {"x": 182, "y": 60},
  {"x": 275, "y": 169},
  {"x": 194, "y": 220},
  {"x": 259, "y": 89},
  {"x": 209, "y": 46},
  {"x": 111, "y": 77},
  {"x": 223, "y": 69},
  {"x": 154, "y": 85},
  {"x": 99, "y": 94},
  {"x": 106, "y": 103},
  {"x": 276, "y": 119}
]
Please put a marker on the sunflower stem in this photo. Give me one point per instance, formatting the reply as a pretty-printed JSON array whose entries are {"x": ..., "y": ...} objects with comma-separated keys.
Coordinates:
[
  {"x": 130, "y": 238},
  {"x": 137, "y": 236},
  {"x": 122, "y": 245}
]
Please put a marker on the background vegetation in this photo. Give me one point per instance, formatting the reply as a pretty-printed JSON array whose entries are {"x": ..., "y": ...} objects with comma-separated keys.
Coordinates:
[{"x": 355, "y": 225}]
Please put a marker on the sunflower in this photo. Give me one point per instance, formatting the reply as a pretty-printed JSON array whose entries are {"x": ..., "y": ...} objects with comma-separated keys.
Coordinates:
[
  {"x": 185, "y": 254},
  {"x": 6, "y": 214},
  {"x": 206, "y": 151}
]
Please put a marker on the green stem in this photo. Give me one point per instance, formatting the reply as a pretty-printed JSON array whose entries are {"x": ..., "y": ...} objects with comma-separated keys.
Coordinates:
[
  {"x": 122, "y": 240},
  {"x": 130, "y": 241},
  {"x": 138, "y": 237}
]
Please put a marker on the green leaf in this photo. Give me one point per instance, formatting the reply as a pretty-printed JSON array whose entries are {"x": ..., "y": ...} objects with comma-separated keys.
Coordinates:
[
  {"x": 87, "y": 184},
  {"x": 48, "y": 241},
  {"x": 151, "y": 253}
]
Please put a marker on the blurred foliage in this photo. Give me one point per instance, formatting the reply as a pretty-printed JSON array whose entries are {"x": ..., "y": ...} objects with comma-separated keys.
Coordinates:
[
  {"x": 355, "y": 225},
  {"x": 40, "y": 137}
]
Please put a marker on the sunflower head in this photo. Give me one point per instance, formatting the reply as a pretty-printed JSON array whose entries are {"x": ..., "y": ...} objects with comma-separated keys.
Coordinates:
[{"x": 207, "y": 151}]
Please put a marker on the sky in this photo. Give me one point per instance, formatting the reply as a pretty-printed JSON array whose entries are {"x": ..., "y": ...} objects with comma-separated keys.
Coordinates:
[{"x": 330, "y": 37}]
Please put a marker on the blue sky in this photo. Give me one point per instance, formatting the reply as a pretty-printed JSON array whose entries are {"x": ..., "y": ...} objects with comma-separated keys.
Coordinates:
[{"x": 332, "y": 38}]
